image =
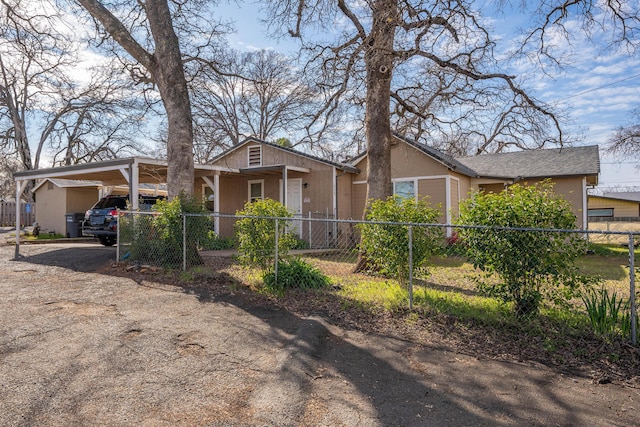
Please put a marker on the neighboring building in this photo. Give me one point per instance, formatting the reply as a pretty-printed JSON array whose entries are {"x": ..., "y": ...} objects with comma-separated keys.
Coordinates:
[
  {"x": 56, "y": 197},
  {"x": 621, "y": 206}
]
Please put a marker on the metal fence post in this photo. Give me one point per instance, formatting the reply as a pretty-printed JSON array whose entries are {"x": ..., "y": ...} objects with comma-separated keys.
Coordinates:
[
  {"x": 184, "y": 242},
  {"x": 632, "y": 289},
  {"x": 410, "y": 267},
  {"x": 275, "y": 268},
  {"x": 118, "y": 236},
  {"x": 310, "y": 240}
]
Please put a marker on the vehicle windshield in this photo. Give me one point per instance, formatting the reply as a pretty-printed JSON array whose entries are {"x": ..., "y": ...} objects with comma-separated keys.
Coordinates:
[{"x": 111, "y": 202}]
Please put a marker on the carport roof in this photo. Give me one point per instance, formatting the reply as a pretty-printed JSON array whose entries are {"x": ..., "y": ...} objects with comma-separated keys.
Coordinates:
[{"x": 112, "y": 172}]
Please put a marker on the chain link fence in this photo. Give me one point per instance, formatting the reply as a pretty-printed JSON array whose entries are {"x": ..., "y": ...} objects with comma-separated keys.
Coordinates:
[{"x": 432, "y": 268}]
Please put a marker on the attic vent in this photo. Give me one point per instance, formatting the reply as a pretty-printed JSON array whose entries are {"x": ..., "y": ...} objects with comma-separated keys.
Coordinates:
[
  {"x": 255, "y": 155},
  {"x": 49, "y": 185}
]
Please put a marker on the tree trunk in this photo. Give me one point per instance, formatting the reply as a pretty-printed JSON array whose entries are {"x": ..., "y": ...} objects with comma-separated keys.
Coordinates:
[
  {"x": 379, "y": 64},
  {"x": 167, "y": 71},
  {"x": 172, "y": 84}
]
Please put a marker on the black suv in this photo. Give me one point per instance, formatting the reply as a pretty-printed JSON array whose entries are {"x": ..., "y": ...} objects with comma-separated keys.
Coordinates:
[{"x": 101, "y": 221}]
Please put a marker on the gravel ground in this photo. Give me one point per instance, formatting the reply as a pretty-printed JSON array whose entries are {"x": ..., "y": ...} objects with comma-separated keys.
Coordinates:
[{"x": 80, "y": 346}]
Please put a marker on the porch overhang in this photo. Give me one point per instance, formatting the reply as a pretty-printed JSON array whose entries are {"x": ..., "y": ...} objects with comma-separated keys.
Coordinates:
[{"x": 272, "y": 169}]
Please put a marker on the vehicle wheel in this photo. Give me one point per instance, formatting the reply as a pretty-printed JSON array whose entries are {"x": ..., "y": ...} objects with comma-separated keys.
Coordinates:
[{"x": 107, "y": 241}]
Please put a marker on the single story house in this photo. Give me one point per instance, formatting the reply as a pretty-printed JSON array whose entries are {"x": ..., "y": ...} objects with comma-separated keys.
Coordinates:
[
  {"x": 614, "y": 206},
  {"x": 313, "y": 187},
  {"x": 423, "y": 171}
]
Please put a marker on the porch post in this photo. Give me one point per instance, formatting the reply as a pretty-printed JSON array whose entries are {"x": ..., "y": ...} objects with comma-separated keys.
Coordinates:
[
  {"x": 285, "y": 185},
  {"x": 216, "y": 201},
  {"x": 134, "y": 184}
]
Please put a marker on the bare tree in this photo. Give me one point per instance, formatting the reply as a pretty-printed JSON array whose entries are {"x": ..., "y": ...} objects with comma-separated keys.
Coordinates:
[
  {"x": 8, "y": 165},
  {"x": 46, "y": 102},
  {"x": 32, "y": 58},
  {"x": 260, "y": 94},
  {"x": 430, "y": 60},
  {"x": 625, "y": 141},
  {"x": 95, "y": 121},
  {"x": 157, "y": 50}
]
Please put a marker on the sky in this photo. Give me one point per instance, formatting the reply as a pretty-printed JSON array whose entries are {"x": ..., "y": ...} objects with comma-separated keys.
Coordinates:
[{"x": 598, "y": 86}]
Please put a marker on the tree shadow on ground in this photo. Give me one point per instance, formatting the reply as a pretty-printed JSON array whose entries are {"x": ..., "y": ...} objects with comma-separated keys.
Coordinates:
[
  {"x": 80, "y": 257},
  {"x": 399, "y": 392}
]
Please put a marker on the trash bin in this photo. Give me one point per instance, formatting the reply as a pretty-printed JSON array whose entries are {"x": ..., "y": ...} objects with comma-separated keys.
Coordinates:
[{"x": 74, "y": 224}]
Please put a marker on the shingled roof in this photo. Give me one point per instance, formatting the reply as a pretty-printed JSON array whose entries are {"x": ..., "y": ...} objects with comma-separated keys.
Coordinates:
[{"x": 568, "y": 161}]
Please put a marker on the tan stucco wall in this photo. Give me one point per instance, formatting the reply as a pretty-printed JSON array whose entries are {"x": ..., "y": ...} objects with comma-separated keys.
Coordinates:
[
  {"x": 81, "y": 199},
  {"x": 50, "y": 208},
  {"x": 407, "y": 163},
  {"x": 317, "y": 194},
  {"x": 621, "y": 208},
  {"x": 53, "y": 204},
  {"x": 571, "y": 189}
]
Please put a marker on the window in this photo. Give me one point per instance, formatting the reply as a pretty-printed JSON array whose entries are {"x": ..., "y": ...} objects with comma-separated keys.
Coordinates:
[
  {"x": 405, "y": 189},
  {"x": 208, "y": 197},
  {"x": 256, "y": 190},
  {"x": 255, "y": 155},
  {"x": 601, "y": 212}
]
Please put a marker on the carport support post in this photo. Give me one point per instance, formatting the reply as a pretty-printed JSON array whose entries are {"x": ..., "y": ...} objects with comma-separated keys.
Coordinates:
[
  {"x": 632, "y": 290},
  {"x": 20, "y": 185}
]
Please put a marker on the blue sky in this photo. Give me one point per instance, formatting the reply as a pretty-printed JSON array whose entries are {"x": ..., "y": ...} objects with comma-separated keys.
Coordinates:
[{"x": 598, "y": 86}]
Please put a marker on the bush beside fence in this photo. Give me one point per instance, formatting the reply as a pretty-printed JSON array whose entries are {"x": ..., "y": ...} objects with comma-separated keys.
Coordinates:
[{"x": 447, "y": 282}]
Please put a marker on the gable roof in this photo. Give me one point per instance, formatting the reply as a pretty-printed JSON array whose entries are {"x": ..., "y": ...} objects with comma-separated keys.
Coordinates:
[
  {"x": 342, "y": 166},
  {"x": 631, "y": 196},
  {"x": 568, "y": 161},
  {"x": 68, "y": 183},
  {"x": 437, "y": 155}
]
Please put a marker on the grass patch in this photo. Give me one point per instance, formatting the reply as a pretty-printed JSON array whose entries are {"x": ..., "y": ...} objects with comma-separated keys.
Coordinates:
[{"x": 42, "y": 236}]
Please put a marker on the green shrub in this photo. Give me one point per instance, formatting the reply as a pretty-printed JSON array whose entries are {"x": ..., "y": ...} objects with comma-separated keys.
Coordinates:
[
  {"x": 533, "y": 266},
  {"x": 386, "y": 246},
  {"x": 294, "y": 273},
  {"x": 159, "y": 238},
  {"x": 256, "y": 233}
]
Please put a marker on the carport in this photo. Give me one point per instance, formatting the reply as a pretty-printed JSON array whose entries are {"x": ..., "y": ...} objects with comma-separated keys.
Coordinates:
[{"x": 131, "y": 171}]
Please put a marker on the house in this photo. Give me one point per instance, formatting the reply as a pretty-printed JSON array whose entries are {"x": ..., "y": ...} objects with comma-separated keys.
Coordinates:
[
  {"x": 614, "y": 206},
  {"x": 315, "y": 187},
  {"x": 572, "y": 169},
  {"x": 418, "y": 170}
]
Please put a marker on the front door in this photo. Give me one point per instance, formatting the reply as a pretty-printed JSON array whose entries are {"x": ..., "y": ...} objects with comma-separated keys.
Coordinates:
[{"x": 294, "y": 202}]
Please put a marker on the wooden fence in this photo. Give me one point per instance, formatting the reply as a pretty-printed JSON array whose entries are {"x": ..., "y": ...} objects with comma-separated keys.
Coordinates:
[{"x": 8, "y": 214}]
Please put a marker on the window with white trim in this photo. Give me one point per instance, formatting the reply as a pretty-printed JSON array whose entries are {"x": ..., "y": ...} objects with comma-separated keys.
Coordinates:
[
  {"x": 255, "y": 155},
  {"x": 256, "y": 190},
  {"x": 405, "y": 189}
]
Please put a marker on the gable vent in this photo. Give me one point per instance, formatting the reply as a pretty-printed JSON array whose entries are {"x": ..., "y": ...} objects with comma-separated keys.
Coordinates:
[{"x": 255, "y": 155}]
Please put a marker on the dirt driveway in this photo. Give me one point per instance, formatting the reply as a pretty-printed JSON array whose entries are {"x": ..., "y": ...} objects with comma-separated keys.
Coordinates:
[{"x": 83, "y": 348}]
